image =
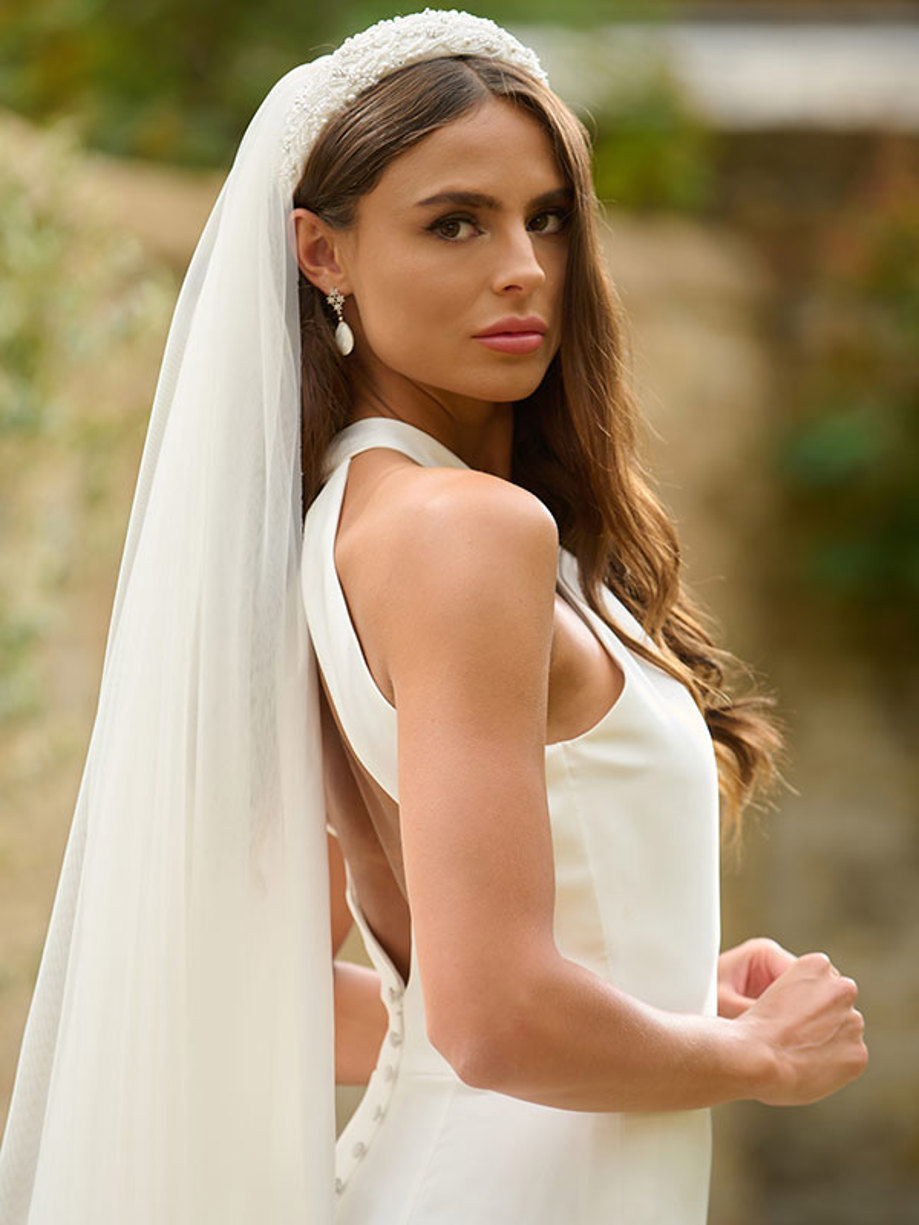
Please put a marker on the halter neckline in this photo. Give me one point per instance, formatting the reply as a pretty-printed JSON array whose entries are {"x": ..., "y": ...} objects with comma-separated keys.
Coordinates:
[{"x": 379, "y": 430}]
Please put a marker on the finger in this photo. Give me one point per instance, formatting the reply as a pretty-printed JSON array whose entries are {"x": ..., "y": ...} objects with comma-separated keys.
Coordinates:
[
  {"x": 778, "y": 958},
  {"x": 769, "y": 962},
  {"x": 820, "y": 961},
  {"x": 780, "y": 950},
  {"x": 732, "y": 1003}
]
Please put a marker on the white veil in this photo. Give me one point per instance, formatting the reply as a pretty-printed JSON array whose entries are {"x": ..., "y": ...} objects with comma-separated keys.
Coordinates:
[{"x": 177, "y": 1066}]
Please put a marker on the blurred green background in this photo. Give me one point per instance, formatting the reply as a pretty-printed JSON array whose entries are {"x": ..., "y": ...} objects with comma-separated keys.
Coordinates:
[{"x": 763, "y": 231}]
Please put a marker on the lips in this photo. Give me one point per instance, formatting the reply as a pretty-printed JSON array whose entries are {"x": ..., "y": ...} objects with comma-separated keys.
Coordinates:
[{"x": 512, "y": 325}]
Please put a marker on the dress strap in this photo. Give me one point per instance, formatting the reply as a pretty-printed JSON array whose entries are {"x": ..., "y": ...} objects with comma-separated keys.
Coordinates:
[
  {"x": 411, "y": 440},
  {"x": 365, "y": 713}
]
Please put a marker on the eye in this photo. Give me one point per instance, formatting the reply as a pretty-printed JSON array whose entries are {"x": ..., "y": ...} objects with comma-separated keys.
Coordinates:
[
  {"x": 438, "y": 226},
  {"x": 558, "y": 215},
  {"x": 449, "y": 228}
]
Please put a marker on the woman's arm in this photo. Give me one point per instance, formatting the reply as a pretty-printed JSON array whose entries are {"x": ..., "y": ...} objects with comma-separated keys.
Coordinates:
[
  {"x": 575, "y": 1041},
  {"x": 466, "y": 620},
  {"x": 361, "y": 1019}
]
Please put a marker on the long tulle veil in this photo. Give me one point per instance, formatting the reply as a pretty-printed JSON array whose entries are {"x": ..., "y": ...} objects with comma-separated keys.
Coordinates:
[{"x": 177, "y": 1066}]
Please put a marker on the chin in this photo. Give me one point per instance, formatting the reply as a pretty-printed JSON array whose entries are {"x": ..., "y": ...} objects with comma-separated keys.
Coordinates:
[
  {"x": 508, "y": 384},
  {"x": 494, "y": 384},
  {"x": 517, "y": 388}
]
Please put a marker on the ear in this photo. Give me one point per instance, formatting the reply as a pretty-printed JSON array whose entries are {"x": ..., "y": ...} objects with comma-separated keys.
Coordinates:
[{"x": 318, "y": 250}]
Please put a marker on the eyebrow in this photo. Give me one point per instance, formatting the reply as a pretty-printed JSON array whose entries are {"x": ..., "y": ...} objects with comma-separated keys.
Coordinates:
[{"x": 477, "y": 199}]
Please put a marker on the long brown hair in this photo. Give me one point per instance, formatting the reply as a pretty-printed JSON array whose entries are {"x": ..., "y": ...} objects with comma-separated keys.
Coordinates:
[{"x": 575, "y": 437}]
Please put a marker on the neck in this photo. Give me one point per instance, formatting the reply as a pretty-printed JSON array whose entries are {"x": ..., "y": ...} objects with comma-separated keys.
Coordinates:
[{"x": 480, "y": 432}]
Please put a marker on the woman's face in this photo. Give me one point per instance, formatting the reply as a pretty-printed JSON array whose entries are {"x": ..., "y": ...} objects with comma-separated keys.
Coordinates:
[{"x": 429, "y": 269}]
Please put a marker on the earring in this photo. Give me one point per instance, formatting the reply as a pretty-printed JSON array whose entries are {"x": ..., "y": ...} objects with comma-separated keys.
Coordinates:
[{"x": 344, "y": 337}]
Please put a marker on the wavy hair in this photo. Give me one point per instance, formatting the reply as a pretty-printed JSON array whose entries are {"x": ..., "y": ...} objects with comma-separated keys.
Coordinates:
[{"x": 574, "y": 442}]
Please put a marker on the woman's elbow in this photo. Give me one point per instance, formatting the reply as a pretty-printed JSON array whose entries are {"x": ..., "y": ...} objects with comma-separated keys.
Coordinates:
[{"x": 477, "y": 1042}]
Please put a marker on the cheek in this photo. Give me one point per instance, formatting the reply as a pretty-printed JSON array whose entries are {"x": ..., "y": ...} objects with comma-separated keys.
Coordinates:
[
  {"x": 413, "y": 307},
  {"x": 555, "y": 263}
]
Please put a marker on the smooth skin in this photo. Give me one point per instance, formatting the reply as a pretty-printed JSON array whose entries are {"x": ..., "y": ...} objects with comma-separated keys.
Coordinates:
[
  {"x": 459, "y": 570},
  {"x": 360, "y": 1014}
]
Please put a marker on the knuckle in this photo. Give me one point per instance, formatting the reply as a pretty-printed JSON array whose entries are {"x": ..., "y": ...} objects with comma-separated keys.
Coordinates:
[{"x": 819, "y": 959}]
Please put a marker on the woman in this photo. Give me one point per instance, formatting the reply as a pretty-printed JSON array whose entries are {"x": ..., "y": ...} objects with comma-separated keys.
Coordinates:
[
  {"x": 452, "y": 201},
  {"x": 514, "y": 741},
  {"x": 527, "y": 841}
]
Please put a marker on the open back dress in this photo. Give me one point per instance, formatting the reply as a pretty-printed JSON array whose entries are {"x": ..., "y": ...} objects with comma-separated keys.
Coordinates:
[{"x": 633, "y": 806}]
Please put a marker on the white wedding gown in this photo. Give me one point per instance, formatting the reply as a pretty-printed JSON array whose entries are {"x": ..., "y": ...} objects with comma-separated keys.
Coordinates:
[{"x": 633, "y": 804}]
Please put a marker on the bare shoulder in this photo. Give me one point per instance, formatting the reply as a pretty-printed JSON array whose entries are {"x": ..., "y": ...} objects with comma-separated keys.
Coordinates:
[
  {"x": 454, "y": 526},
  {"x": 467, "y": 628},
  {"x": 469, "y": 557}
]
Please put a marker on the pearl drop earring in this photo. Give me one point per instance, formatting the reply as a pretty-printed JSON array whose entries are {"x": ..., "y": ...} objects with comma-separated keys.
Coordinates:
[{"x": 344, "y": 337}]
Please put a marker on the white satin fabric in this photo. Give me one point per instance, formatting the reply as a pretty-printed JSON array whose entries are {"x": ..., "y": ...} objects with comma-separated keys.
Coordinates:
[{"x": 633, "y": 804}]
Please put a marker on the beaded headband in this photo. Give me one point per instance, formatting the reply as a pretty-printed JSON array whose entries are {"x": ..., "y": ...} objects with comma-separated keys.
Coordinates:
[{"x": 335, "y": 80}]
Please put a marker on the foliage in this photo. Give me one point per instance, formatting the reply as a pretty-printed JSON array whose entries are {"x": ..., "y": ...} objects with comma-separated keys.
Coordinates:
[
  {"x": 848, "y": 456},
  {"x": 73, "y": 294},
  {"x": 652, "y": 150}
]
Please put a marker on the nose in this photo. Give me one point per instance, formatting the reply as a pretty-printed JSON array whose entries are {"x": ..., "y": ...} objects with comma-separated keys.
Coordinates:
[{"x": 517, "y": 266}]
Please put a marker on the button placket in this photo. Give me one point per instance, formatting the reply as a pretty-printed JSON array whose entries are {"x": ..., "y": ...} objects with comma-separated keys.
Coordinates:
[{"x": 379, "y": 1091}]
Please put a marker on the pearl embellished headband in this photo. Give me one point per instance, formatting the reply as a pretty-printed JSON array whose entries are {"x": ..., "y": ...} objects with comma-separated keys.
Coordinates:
[{"x": 335, "y": 80}]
